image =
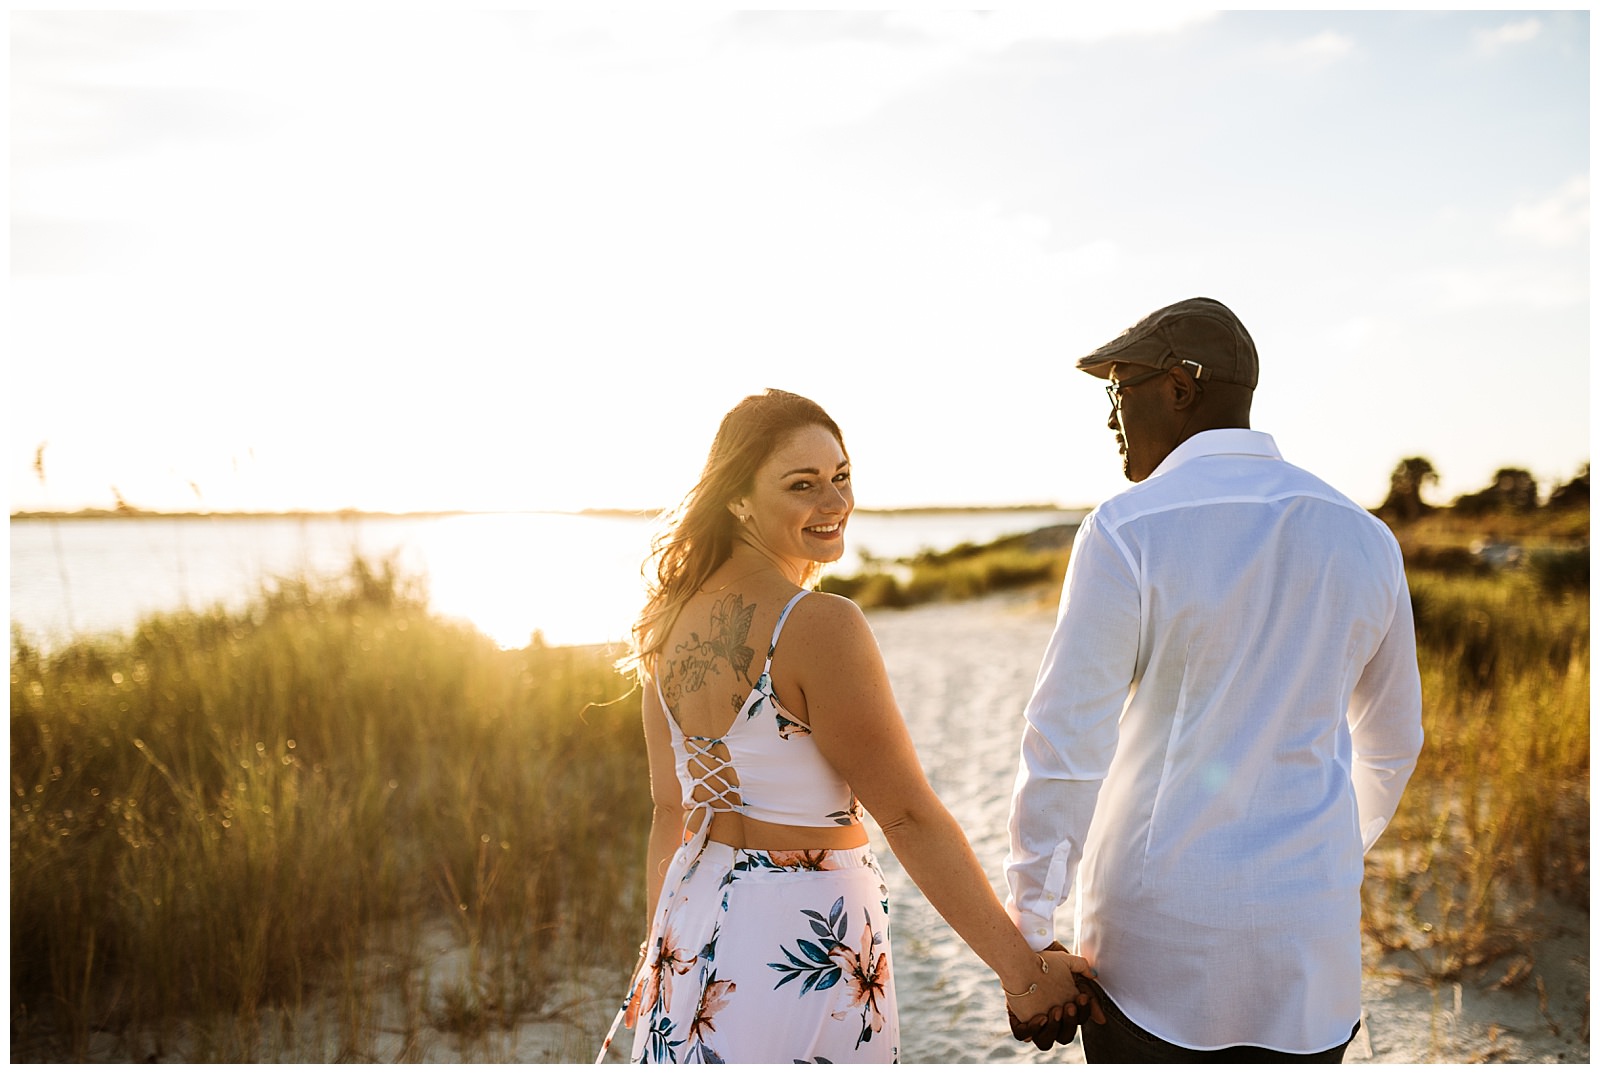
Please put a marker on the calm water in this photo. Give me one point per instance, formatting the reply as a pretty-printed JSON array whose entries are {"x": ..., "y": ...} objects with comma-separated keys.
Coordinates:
[{"x": 573, "y": 578}]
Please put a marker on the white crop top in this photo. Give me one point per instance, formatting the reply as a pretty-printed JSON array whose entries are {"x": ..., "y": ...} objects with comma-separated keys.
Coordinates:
[{"x": 773, "y": 772}]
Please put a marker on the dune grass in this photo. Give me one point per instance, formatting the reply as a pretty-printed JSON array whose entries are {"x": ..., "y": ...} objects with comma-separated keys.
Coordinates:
[
  {"x": 219, "y": 817},
  {"x": 959, "y": 573},
  {"x": 1497, "y": 813}
]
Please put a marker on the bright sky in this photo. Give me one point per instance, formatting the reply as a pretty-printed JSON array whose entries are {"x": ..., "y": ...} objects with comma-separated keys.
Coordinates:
[{"x": 513, "y": 260}]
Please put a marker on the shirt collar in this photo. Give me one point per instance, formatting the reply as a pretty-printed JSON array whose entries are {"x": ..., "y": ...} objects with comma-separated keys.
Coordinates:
[{"x": 1219, "y": 442}]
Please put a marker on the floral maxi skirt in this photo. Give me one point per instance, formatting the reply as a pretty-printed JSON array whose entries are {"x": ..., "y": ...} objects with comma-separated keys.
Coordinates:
[{"x": 765, "y": 956}]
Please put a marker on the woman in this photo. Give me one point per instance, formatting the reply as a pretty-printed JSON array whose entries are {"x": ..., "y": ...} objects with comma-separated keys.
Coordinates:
[{"x": 769, "y": 725}]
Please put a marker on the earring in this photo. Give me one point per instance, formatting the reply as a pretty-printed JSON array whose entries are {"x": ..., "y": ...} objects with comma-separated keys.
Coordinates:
[{"x": 743, "y": 519}]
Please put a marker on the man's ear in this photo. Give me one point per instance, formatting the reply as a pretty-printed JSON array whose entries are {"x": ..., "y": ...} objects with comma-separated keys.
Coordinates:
[{"x": 1184, "y": 388}]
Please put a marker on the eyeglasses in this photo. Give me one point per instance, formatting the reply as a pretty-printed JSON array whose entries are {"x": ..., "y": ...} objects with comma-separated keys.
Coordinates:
[{"x": 1114, "y": 391}]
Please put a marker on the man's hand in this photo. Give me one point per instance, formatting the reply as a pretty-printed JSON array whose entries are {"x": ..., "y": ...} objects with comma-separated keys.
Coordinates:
[
  {"x": 1044, "y": 1032},
  {"x": 1060, "y": 1023}
]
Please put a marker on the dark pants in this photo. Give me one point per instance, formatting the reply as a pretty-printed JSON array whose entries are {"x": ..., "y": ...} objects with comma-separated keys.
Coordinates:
[{"x": 1121, "y": 1041}]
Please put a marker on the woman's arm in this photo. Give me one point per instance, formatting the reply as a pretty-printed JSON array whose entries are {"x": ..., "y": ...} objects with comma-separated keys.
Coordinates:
[
  {"x": 667, "y": 818},
  {"x": 856, "y": 723}
]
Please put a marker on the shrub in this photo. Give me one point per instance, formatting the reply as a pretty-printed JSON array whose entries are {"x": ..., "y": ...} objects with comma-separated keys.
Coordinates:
[{"x": 1561, "y": 571}]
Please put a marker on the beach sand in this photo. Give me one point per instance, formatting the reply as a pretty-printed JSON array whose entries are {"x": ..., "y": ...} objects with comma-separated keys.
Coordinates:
[{"x": 962, "y": 673}]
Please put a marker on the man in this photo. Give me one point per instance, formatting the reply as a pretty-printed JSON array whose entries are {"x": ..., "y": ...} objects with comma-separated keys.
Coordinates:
[{"x": 1222, "y": 724}]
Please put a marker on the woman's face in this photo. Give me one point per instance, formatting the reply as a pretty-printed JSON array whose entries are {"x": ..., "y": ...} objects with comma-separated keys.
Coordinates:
[{"x": 800, "y": 499}]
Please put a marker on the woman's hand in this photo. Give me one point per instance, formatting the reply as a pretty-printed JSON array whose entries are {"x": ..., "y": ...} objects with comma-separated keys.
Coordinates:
[
  {"x": 636, "y": 988},
  {"x": 1051, "y": 1012}
]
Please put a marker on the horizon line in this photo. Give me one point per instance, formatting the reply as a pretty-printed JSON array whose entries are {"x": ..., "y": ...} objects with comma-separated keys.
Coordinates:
[{"x": 99, "y": 513}]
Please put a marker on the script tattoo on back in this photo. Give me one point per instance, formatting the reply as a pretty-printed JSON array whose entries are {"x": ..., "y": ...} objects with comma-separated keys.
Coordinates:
[{"x": 694, "y": 659}]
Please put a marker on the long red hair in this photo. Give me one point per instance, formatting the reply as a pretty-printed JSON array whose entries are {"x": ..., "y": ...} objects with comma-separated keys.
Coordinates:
[{"x": 697, "y": 535}]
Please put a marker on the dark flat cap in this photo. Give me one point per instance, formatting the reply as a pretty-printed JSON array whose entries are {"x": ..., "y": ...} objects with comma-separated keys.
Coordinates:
[{"x": 1198, "y": 330}]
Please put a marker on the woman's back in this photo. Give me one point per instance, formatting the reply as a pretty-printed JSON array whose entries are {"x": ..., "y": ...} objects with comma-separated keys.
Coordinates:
[
  {"x": 714, "y": 652},
  {"x": 743, "y": 756}
]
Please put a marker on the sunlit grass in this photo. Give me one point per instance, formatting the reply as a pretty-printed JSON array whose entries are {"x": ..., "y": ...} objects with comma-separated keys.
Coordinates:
[
  {"x": 1497, "y": 813},
  {"x": 222, "y": 816},
  {"x": 959, "y": 573}
]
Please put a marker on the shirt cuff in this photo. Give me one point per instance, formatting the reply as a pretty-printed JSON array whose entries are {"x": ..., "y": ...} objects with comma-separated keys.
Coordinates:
[{"x": 1040, "y": 932}]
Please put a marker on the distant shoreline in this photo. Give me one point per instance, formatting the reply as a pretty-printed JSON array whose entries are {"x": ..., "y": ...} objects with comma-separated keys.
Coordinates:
[{"x": 98, "y": 514}]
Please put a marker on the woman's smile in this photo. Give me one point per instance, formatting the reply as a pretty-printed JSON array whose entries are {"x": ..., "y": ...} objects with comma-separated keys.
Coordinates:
[{"x": 799, "y": 501}]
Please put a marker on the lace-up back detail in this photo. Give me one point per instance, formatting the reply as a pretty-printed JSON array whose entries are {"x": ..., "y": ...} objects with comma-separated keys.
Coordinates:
[
  {"x": 713, "y": 781},
  {"x": 765, "y": 766}
]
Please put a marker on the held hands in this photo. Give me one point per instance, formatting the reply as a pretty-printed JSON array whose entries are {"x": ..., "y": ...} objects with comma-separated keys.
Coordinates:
[{"x": 1051, "y": 1013}]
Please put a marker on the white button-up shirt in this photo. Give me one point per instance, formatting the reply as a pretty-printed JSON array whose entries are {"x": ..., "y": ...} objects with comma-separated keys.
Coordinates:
[{"x": 1222, "y": 725}]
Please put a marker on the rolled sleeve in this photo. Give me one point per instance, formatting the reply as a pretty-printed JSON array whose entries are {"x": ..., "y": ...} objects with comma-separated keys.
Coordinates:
[{"x": 1046, "y": 849}]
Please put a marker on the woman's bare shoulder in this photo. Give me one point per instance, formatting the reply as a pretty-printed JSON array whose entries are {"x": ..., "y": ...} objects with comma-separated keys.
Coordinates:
[
  {"x": 830, "y": 608},
  {"x": 828, "y": 620}
]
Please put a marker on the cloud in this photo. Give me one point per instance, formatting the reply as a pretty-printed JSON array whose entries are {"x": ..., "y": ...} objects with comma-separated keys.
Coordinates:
[
  {"x": 991, "y": 31},
  {"x": 1493, "y": 41},
  {"x": 1527, "y": 287},
  {"x": 1562, "y": 219},
  {"x": 46, "y": 245},
  {"x": 1318, "y": 50},
  {"x": 87, "y": 84},
  {"x": 870, "y": 59}
]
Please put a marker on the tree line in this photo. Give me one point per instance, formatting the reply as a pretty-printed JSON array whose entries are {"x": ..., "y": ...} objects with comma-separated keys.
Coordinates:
[{"x": 1513, "y": 491}]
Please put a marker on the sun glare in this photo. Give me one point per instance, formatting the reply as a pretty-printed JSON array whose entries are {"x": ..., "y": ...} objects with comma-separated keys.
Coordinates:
[{"x": 495, "y": 572}]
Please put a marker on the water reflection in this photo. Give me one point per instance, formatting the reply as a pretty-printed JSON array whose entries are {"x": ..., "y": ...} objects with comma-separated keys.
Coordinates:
[{"x": 573, "y": 578}]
